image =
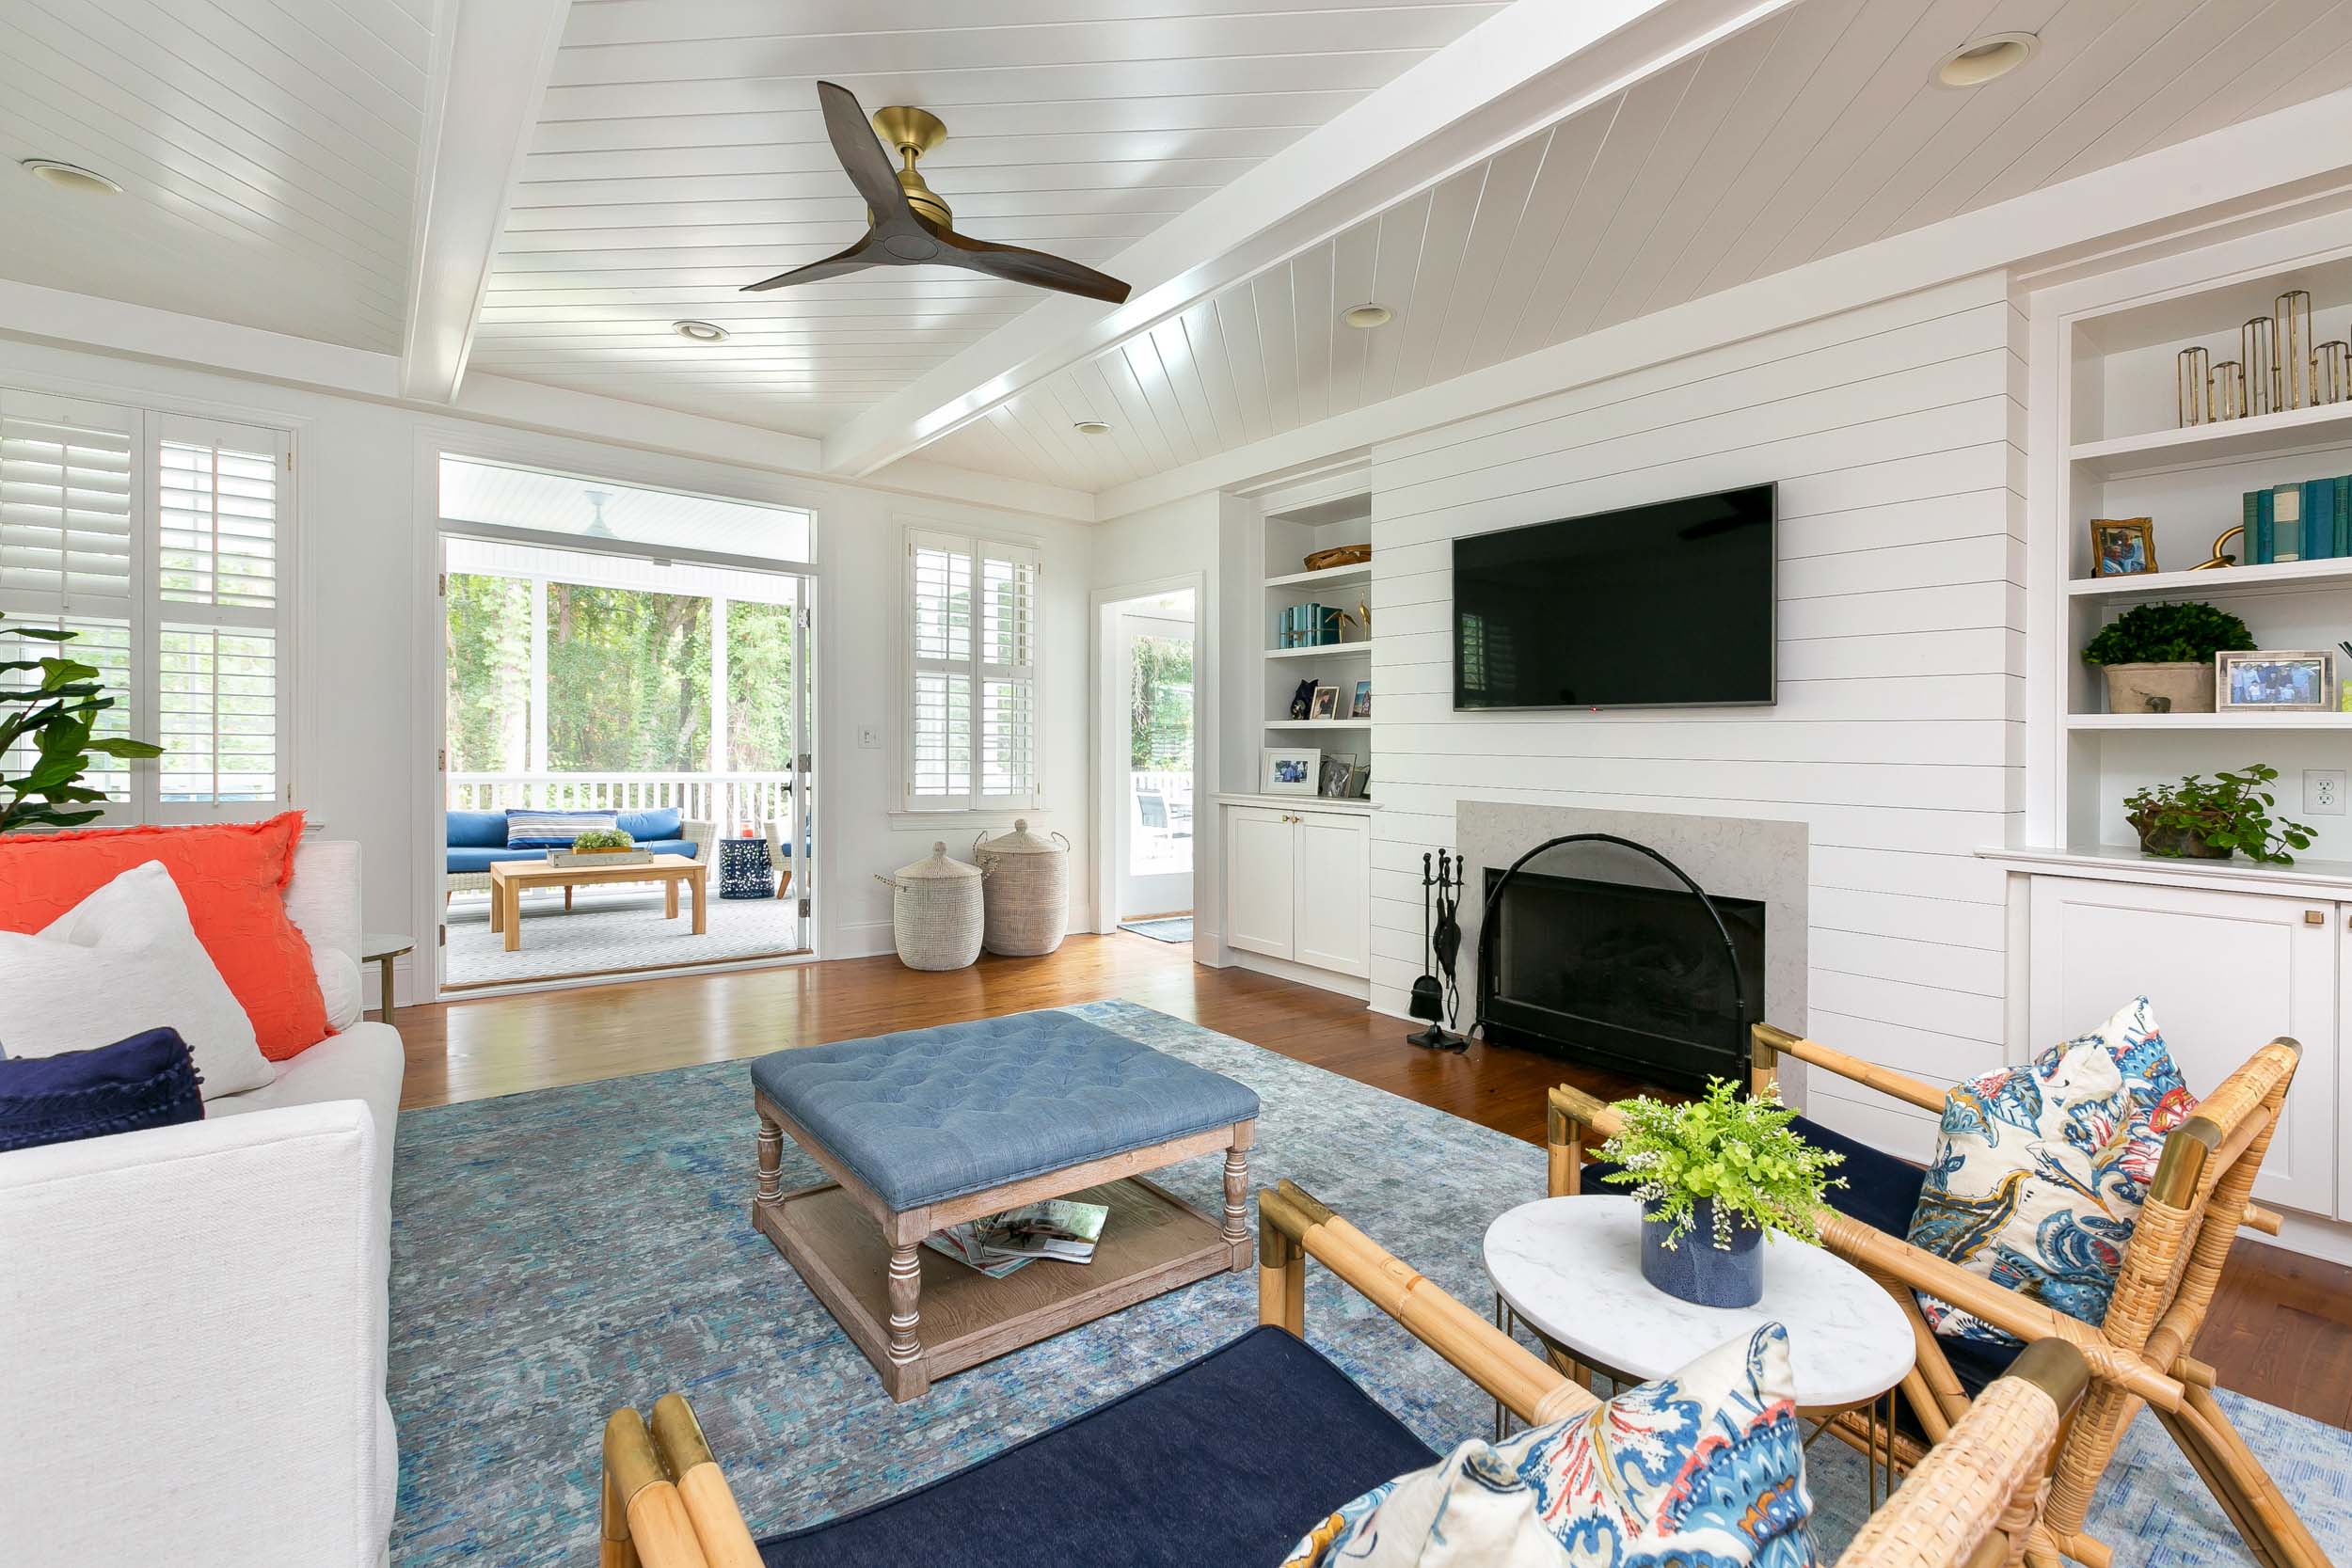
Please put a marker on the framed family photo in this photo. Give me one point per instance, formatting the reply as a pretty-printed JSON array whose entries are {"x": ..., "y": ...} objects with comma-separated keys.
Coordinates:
[
  {"x": 2265, "y": 680},
  {"x": 1290, "y": 769},
  {"x": 1327, "y": 703},
  {"x": 2121, "y": 547}
]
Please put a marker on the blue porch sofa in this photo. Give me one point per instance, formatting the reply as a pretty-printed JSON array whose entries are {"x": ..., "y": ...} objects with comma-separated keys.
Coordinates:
[{"x": 478, "y": 837}]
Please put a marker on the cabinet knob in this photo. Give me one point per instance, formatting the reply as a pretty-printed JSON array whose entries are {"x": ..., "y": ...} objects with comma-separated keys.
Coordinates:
[{"x": 2314, "y": 917}]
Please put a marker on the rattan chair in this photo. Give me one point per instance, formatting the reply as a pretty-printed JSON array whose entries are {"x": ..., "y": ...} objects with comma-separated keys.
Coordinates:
[
  {"x": 2139, "y": 1352},
  {"x": 1969, "y": 1503}
]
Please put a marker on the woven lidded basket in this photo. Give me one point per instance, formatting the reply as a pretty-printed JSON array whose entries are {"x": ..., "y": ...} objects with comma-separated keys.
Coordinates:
[
  {"x": 1027, "y": 892},
  {"x": 935, "y": 910}
]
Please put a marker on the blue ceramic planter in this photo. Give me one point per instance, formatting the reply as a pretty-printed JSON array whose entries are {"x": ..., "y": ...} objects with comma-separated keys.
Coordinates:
[{"x": 1696, "y": 1270}]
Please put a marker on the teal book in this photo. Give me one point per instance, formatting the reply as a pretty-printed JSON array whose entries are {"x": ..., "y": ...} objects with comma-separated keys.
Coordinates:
[
  {"x": 2259, "y": 530},
  {"x": 2343, "y": 483},
  {"x": 2286, "y": 523},
  {"x": 2250, "y": 523},
  {"x": 2319, "y": 519}
]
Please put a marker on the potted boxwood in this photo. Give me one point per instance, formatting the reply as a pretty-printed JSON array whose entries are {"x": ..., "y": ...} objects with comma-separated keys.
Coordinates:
[
  {"x": 2158, "y": 658},
  {"x": 2214, "y": 821},
  {"x": 1727, "y": 1168}
]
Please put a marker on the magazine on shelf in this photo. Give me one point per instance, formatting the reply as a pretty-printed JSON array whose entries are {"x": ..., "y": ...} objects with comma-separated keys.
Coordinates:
[{"x": 1056, "y": 1230}]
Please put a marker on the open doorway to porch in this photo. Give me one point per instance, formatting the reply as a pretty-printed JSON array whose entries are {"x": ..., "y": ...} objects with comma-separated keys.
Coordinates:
[
  {"x": 594, "y": 685},
  {"x": 1149, "y": 762}
]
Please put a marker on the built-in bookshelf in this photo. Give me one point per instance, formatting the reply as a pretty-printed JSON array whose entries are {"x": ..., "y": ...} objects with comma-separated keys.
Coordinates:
[
  {"x": 1288, "y": 538},
  {"x": 2121, "y": 453}
]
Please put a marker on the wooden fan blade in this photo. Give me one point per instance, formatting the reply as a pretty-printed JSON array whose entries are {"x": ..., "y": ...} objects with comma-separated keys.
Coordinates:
[
  {"x": 853, "y": 260},
  {"x": 1034, "y": 267},
  {"x": 861, "y": 152}
]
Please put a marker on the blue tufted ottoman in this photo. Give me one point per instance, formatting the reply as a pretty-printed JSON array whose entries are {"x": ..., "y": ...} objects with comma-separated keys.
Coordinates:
[{"x": 934, "y": 1127}]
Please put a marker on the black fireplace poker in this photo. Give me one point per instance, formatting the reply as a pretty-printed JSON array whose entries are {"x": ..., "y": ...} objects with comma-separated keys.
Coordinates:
[{"x": 1433, "y": 1000}]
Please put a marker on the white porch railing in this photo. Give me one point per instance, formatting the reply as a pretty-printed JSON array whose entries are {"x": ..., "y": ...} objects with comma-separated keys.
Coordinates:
[{"x": 729, "y": 800}]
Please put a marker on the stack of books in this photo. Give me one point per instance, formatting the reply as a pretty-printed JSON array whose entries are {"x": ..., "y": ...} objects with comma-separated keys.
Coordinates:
[
  {"x": 1056, "y": 1232},
  {"x": 1307, "y": 625},
  {"x": 2311, "y": 521}
]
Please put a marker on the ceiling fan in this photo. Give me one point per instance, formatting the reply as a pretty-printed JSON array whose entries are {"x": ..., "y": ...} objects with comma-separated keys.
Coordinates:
[{"x": 910, "y": 225}]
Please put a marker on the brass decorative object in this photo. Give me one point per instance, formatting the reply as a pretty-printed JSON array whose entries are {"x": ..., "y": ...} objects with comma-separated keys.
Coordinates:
[
  {"x": 2332, "y": 371},
  {"x": 2257, "y": 351},
  {"x": 2291, "y": 329},
  {"x": 2220, "y": 551},
  {"x": 2192, "y": 373},
  {"x": 2229, "y": 390}
]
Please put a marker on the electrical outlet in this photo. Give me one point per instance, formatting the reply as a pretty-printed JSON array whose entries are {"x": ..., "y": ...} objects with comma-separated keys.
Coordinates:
[
  {"x": 2323, "y": 792},
  {"x": 869, "y": 736}
]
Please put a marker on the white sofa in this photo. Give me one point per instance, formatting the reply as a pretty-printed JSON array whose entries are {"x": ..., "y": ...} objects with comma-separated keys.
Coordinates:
[{"x": 192, "y": 1318}]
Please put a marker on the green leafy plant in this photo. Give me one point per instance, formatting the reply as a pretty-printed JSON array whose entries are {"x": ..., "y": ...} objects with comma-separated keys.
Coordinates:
[
  {"x": 2230, "y": 812},
  {"x": 1739, "y": 1151},
  {"x": 2169, "y": 634},
  {"x": 57, "y": 711},
  {"x": 603, "y": 838}
]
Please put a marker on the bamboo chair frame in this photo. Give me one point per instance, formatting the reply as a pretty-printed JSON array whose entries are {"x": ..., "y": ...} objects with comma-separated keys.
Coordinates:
[
  {"x": 2138, "y": 1354},
  {"x": 1970, "y": 1503}
]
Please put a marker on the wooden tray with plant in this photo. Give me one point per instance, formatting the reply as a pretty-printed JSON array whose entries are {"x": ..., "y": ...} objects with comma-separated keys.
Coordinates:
[{"x": 602, "y": 846}]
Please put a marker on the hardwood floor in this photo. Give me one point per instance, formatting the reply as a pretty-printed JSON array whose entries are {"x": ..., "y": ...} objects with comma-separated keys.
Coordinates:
[{"x": 2280, "y": 1330}]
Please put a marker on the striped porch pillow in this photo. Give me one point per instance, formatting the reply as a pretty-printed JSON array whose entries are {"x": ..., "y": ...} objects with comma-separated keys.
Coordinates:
[{"x": 552, "y": 830}]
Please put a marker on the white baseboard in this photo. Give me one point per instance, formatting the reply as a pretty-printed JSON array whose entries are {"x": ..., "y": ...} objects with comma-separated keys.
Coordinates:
[
  {"x": 1306, "y": 975},
  {"x": 863, "y": 938},
  {"x": 2310, "y": 1236}
]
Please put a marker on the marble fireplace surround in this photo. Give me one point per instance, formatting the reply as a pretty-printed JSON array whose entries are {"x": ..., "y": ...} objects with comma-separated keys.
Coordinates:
[{"x": 1734, "y": 857}]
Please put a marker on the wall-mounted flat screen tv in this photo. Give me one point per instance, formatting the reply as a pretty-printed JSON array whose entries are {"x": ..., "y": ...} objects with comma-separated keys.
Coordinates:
[{"x": 1664, "y": 605}]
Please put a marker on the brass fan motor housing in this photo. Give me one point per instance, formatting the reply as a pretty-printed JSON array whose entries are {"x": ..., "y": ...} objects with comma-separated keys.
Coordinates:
[{"x": 914, "y": 131}]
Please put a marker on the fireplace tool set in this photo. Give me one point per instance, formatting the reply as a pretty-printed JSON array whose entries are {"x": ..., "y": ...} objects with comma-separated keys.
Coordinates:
[{"x": 1433, "y": 1000}]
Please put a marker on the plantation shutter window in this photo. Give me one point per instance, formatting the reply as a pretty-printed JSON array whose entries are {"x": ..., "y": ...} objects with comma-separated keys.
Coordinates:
[
  {"x": 971, "y": 732},
  {"x": 161, "y": 540}
]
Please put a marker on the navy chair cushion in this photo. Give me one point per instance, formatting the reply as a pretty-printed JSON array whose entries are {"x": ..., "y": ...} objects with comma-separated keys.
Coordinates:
[
  {"x": 933, "y": 1114},
  {"x": 476, "y": 830},
  {"x": 1228, "y": 1460},
  {"x": 149, "y": 1080},
  {"x": 665, "y": 823}
]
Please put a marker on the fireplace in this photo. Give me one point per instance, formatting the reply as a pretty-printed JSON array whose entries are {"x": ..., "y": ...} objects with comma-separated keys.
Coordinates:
[{"x": 1629, "y": 978}]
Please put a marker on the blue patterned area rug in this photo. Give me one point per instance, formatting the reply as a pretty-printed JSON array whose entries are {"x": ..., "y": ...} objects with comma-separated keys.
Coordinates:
[{"x": 558, "y": 1254}]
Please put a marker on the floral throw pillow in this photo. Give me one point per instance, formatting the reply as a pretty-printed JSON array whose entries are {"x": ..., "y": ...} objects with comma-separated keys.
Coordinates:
[
  {"x": 1705, "y": 1466},
  {"x": 2041, "y": 1170}
]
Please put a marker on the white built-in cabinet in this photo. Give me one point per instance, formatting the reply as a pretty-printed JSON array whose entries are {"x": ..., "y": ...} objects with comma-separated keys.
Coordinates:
[{"x": 1298, "y": 886}]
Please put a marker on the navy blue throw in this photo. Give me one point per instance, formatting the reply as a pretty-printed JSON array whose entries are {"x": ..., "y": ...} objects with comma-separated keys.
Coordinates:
[{"x": 149, "y": 1080}]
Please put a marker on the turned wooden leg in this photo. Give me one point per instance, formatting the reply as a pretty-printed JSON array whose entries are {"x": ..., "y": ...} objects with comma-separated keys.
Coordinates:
[
  {"x": 907, "y": 1378},
  {"x": 770, "y": 1162},
  {"x": 1238, "y": 1196}
]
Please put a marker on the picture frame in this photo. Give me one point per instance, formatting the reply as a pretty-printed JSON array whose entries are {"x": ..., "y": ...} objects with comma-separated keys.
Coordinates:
[
  {"x": 1361, "y": 706},
  {"x": 2271, "y": 680},
  {"x": 1289, "y": 769},
  {"x": 2122, "y": 546},
  {"x": 1327, "y": 703},
  {"x": 1331, "y": 778}
]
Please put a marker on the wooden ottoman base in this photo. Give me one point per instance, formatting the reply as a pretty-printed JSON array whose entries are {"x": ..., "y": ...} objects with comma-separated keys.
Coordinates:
[{"x": 919, "y": 1315}]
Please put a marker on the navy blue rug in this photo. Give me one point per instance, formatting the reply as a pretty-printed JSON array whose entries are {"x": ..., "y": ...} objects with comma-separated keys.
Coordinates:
[{"x": 556, "y": 1255}]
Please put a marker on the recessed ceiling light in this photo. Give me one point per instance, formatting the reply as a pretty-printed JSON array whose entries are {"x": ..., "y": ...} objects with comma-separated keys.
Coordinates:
[
  {"x": 1979, "y": 60},
  {"x": 68, "y": 177},
  {"x": 702, "y": 332},
  {"x": 1365, "y": 317},
  {"x": 1091, "y": 427}
]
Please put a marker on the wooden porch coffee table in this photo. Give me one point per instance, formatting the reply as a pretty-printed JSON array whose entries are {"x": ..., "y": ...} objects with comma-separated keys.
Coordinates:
[
  {"x": 931, "y": 1128},
  {"x": 510, "y": 879}
]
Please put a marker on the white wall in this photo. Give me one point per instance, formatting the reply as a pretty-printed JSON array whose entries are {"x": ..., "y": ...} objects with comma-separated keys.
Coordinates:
[
  {"x": 364, "y": 529},
  {"x": 1894, "y": 433}
]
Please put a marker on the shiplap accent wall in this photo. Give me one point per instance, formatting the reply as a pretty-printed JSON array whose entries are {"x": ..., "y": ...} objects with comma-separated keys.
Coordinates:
[{"x": 1897, "y": 435}]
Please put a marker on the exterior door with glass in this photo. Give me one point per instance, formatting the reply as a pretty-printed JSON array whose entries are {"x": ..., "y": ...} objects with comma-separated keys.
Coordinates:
[{"x": 1155, "y": 822}]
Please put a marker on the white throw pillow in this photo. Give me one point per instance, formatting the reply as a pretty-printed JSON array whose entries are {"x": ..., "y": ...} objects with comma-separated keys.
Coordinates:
[
  {"x": 339, "y": 986},
  {"x": 123, "y": 960}
]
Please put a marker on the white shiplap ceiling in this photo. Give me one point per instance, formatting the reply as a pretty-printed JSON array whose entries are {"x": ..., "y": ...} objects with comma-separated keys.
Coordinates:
[
  {"x": 266, "y": 151},
  {"x": 679, "y": 155},
  {"x": 1816, "y": 130}
]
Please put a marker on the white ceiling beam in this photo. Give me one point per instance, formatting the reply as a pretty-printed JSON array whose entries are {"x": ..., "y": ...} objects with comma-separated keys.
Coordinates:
[
  {"x": 490, "y": 67},
  {"x": 1521, "y": 68},
  {"x": 2187, "y": 193}
]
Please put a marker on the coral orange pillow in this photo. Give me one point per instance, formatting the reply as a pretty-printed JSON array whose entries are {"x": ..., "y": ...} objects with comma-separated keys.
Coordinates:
[{"x": 232, "y": 874}]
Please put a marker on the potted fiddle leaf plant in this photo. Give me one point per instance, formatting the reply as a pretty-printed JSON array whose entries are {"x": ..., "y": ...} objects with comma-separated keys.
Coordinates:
[
  {"x": 2158, "y": 658},
  {"x": 2202, "y": 821},
  {"x": 54, "y": 707},
  {"x": 1712, "y": 1176}
]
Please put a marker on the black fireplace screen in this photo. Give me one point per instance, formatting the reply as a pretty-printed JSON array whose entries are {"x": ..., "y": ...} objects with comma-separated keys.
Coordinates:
[{"x": 1625, "y": 977}]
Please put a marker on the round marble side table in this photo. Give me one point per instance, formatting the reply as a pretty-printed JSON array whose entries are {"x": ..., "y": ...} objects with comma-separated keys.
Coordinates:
[{"x": 1570, "y": 1269}]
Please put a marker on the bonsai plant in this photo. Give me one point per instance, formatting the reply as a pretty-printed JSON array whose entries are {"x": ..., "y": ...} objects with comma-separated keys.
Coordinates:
[
  {"x": 57, "y": 712},
  {"x": 2158, "y": 658},
  {"x": 603, "y": 841},
  {"x": 1728, "y": 1165},
  {"x": 2213, "y": 822}
]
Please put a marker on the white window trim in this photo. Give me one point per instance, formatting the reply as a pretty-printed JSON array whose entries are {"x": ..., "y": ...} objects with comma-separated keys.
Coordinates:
[
  {"x": 146, "y": 611},
  {"x": 973, "y": 809}
]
